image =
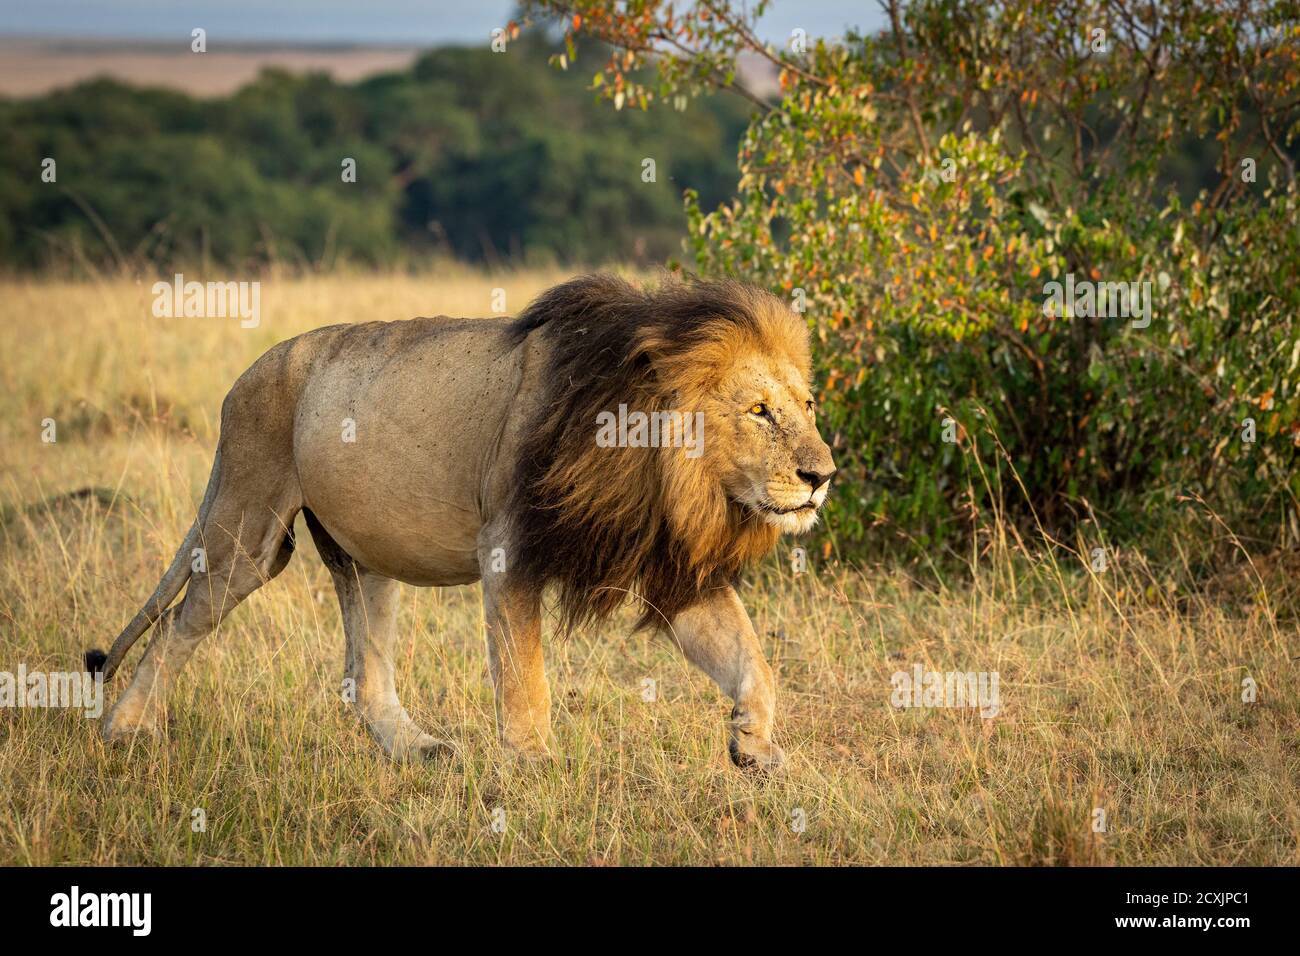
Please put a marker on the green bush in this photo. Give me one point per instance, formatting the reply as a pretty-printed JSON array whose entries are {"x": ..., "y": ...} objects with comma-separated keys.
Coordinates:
[{"x": 916, "y": 190}]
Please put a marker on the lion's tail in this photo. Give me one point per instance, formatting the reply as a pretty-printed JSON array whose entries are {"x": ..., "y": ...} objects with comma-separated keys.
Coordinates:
[{"x": 173, "y": 579}]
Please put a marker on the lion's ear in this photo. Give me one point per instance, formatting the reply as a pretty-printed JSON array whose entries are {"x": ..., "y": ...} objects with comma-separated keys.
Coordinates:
[
  {"x": 654, "y": 343},
  {"x": 689, "y": 367},
  {"x": 665, "y": 363}
]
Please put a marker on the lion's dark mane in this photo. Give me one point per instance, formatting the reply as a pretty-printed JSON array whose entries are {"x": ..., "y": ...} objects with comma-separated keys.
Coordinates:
[{"x": 608, "y": 342}]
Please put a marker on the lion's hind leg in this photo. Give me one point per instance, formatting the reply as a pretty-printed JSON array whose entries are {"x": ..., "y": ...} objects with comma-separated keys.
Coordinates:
[
  {"x": 242, "y": 549},
  {"x": 369, "y": 604}
]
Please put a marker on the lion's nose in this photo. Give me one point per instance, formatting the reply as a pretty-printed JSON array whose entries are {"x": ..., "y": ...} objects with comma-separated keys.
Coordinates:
[{"x": 816, "y": 478}]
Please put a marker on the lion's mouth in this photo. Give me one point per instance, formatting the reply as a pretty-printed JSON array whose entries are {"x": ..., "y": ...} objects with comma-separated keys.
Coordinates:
[{"x": 771, "y": 509}]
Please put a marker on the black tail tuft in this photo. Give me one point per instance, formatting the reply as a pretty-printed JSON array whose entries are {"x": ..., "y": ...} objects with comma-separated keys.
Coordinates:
[{"x": 95, "y": 660}]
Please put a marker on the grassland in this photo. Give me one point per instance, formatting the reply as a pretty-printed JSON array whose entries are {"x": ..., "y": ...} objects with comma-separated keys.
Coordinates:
[{"x": 1120, "y": 690}]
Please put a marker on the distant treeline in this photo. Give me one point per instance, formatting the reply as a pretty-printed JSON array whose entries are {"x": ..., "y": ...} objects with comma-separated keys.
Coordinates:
[{"x": 480, "y": 155}]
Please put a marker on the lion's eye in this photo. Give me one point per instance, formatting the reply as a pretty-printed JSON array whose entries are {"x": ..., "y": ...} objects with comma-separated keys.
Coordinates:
[{"x": 758, "y": 408}]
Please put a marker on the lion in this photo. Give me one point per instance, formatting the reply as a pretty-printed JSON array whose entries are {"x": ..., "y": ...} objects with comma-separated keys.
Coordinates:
[{"x": 441, "y": 451}]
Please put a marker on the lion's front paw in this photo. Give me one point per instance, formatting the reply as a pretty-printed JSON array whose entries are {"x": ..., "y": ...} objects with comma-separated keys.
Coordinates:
[
  {"x": 438, "y": 751},
  {"x": 531, "y": 754},
  {"x": 124, "y": 723},
  {"x": 424, "y": 749},
  {"x": 749, "y": 752}
]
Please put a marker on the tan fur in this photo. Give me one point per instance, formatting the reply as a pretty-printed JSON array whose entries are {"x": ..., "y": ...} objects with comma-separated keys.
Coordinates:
[
  {"x": 699, "y": 507},
  {"x": 460, "y": 465}
]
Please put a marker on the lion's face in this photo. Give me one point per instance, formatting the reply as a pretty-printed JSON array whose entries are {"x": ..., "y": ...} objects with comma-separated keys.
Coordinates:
[
  {"x": 605, "y": 517},
  {"x": 772, "y": 460}
]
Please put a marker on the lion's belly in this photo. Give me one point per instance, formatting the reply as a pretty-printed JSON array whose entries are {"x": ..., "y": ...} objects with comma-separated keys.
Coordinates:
[
  {"x": 429, "y": 549},
  {"x": 392, "y": 441}
]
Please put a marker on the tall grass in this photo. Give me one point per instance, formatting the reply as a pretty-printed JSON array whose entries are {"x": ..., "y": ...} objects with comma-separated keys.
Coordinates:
[{"x": 1121, "y": 690}]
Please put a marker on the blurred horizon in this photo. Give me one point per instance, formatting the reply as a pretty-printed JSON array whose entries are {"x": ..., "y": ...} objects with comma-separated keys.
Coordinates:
[
  {"x": 56, "y": 44},
  {"x": 343, "y": 22}
]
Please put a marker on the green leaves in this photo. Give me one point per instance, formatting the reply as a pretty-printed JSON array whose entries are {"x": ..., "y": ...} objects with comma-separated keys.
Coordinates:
[
  {"x": 481, "y": 155},
  {"x": 921, "y": 187}
]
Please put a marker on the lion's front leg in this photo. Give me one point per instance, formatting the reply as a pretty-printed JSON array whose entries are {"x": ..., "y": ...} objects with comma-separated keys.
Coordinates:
[
  {"x": 513, "y": 619},
  {"x": 718, "y": 638}
]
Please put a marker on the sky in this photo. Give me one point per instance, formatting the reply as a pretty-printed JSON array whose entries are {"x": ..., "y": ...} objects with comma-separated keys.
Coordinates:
[{"x": 402, "y": 22}]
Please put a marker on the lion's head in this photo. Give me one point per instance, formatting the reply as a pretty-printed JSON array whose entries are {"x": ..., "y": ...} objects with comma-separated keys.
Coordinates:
[{"x": 677, "y": 440}]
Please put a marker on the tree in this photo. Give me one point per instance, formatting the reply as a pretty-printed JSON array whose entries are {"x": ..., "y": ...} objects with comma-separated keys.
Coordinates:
[{"x": 919, "y": 190}]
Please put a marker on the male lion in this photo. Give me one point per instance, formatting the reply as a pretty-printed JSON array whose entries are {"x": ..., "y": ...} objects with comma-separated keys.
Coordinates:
[{"x": 444, "y": 451}]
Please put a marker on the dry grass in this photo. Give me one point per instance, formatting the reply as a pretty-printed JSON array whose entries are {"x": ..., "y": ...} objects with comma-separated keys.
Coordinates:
[{"x": 1114, "y": 694}]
